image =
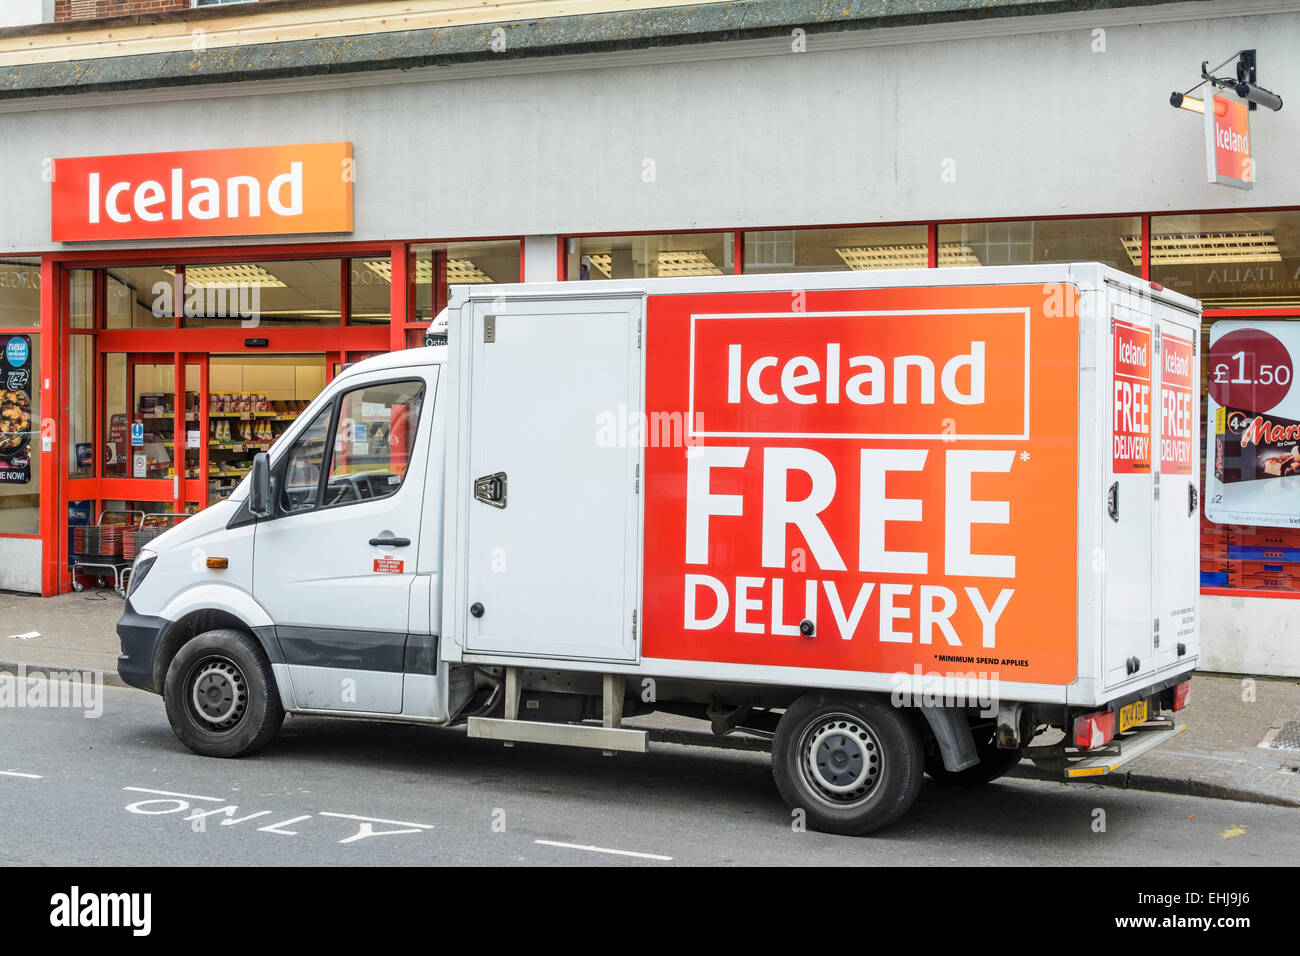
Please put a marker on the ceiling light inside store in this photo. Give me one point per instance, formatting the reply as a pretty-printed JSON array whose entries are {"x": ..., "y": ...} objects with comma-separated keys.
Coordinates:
[
  {"x": 1193, "y": 248},
  {"x": 693, "y": 263},
  {"x": 242, "y": 275},
  {"x": 911, "y": 256},
  {"x": 459, "y": 271}
]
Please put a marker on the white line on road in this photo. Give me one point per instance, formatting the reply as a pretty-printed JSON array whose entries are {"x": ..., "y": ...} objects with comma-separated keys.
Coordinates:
[
  {"x": 396, "y": 823},
  {"x": 168, "y": 793},
  {"x": 15, "y": 773},
  {"x": 601, "y": 849}
]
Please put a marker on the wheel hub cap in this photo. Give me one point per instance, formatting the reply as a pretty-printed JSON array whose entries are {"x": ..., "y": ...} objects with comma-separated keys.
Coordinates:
[
  {"x": 842, "y": 760},
  {"x": 219, "y": 695}
]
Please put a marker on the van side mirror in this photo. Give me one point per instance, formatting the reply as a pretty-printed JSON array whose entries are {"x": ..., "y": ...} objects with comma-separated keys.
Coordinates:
[{"x": 259, "y": 490}]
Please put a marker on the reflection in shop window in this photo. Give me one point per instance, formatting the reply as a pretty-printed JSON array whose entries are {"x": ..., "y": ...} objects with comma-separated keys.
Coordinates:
[
  {"x": 835, "y": 250},
  {"x": 141, "y": 297},
  {"x": 1245, "y": 260},
  {"x": 371, "y": 290},
  {"x": 438, "y": 265},
  {"x": 1114, "y": 241},
  {"x": 292, "y": 293},
  {"x": 20, "y": 293},
  {"x": 643, "y": 257}
]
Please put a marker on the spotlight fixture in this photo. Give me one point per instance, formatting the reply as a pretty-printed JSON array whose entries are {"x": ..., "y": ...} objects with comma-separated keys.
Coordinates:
[{"x": 1245, "y": 84}]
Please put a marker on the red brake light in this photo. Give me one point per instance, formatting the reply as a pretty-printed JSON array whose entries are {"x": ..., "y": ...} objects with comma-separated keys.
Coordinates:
[
  {"x": 1181, "y": 694},
  {"x": 1094, "y": 730}
]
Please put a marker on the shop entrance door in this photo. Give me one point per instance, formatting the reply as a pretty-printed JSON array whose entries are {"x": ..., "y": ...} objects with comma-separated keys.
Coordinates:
[{"x": 148, "y": 401}]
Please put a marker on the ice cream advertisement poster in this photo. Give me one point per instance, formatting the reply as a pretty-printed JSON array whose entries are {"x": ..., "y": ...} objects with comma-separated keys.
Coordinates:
[{"x": 1252, "y": 450}]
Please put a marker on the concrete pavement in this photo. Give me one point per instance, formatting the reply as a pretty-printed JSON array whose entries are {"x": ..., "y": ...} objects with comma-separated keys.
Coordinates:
[{"x": 1220, "y": 755}]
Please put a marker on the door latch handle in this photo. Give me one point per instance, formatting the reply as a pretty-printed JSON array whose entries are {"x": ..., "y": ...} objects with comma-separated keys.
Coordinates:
[
  {"x": 1191, "y": 498},
  {"x": 1112, "y": 502},
  {"x": 491, "y": 489},
  {"x": 390, "y": 542}
]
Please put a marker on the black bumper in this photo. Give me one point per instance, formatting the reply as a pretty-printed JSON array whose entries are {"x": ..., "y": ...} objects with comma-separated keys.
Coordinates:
[{"x": 140, "y": 637}]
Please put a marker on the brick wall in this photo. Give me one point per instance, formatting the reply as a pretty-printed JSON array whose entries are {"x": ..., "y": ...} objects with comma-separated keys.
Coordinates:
[{"x": 94, "y": 9}]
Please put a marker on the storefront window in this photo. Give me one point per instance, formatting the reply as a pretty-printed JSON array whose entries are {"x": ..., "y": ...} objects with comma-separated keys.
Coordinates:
[
  {"x": 20, "y": 424},
  {"x": 371, "y": 286},
  {"x": 20, "y": 293},
  {"x": 645, "y": 257},
  {"x": 437, "y": 265},
  {"x": 252, "y": 400},
  {"x": 81, "y": 298},
  {"x": 1112, "y": 241},
  {"x": 81, "y": 406},
  {"x": 141, "y": 297},
  {"x": 1240, "y": 260},
  {"x": 293, "y": 293},
  {"x": 832, "y": 250}
]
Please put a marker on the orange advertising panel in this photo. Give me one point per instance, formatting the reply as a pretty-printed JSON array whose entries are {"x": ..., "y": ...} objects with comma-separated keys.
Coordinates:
[
  {"x": 1227, "y": 128},
  {"x": 880, "y": 481},
  {"x": 256, "y": 191},
  {"x": 1131, "y": 400},
  {"x": 1177, "y": 393}
]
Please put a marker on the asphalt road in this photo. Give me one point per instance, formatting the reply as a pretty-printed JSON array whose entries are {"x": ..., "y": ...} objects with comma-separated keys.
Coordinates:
[{"x": 120, "y": 789}]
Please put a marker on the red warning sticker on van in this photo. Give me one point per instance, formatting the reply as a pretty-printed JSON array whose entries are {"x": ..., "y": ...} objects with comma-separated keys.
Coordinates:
[{"x": 388, "y": 566}]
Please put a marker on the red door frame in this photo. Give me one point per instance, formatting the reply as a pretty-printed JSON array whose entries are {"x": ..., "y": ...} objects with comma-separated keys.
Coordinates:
[{"x": 185, "y": 345}]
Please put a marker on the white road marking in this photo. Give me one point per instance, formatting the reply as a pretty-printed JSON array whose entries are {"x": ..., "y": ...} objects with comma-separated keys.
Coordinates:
[
  {"x": 26, "y": 636},
  {"x": 168, "y": 793},
  {"x": 15, "y": 773},
  {"x": 601, "y": 849},
  {"x": 396, "y": 823}
]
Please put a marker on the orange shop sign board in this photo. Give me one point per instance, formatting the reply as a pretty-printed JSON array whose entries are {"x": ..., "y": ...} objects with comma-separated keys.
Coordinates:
[
  {"x": 1227, "y": 143},
  {"x": 254, "y": 191}
]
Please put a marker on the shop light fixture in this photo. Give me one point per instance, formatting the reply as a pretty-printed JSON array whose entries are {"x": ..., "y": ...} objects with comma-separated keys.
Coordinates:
[
  {"x": 602, "y": 262},
  {"x": 909, "y": 256},
  {"x": 459, "y": 271},
  {"x": 687, "y": 263},
  {"x": 1199, "y": 248},
  {"x": 239, "y": 275}
]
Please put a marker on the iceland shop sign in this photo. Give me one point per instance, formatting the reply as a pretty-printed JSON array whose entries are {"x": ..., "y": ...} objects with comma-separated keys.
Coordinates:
[{"x": 256, "y": 191}]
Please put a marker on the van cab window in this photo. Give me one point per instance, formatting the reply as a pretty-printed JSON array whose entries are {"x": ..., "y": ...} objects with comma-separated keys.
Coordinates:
[
  {"x": 372, "y": 442},
  {"x": 303, "y": 467}
]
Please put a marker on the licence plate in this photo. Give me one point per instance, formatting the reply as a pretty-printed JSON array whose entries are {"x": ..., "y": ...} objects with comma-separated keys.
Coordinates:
[{"x": 1130, "y": 715}]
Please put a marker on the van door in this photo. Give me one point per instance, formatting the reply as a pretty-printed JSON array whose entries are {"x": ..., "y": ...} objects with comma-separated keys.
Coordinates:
[
  {"x": 552, "y": 521},
  {"x": 1128, "y": 623},
  {"x": 1178, "y": 511},
  {"x": 334, "y": 566}
]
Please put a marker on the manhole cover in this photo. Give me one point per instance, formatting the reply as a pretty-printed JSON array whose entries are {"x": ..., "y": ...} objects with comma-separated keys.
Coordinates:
[{"x": 1286, "y": 737}]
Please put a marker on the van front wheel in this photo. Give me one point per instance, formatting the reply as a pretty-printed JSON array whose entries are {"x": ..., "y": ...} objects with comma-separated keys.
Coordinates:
[
  {"x": 851, "y": 763},
  {"x": 221, "y": 696}
]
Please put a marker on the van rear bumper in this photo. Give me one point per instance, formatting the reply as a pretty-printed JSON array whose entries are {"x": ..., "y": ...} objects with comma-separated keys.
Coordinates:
[{"x": 140, "y": 636}]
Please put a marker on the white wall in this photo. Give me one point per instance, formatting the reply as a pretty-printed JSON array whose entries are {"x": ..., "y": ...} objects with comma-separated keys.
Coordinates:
[
  {"x": 20, "y": 564},
  {"x": 17, "y": 13},
  {"x": 1032, "y": 124},
  {"x": 1249, "y": 635}
]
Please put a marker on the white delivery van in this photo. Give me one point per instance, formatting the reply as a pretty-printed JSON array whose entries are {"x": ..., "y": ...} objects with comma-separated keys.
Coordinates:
[{"x": 900, "y": 523}]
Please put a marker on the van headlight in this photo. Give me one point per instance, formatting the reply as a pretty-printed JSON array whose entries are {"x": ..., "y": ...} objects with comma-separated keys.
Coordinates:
[{"x": 138, "y": 571}]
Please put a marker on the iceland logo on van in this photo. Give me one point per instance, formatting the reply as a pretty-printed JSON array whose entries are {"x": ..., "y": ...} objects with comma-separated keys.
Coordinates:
[{"x": 16, "y": 351}]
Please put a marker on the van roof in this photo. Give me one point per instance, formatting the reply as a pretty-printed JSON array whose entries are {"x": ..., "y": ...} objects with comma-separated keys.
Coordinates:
[{"x": 405, "y": 358}]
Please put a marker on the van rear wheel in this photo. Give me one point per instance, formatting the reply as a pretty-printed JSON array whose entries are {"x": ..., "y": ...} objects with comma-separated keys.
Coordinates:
[
  {"x": 221, "y": 695},
  {"x": 852, "y": 764}
]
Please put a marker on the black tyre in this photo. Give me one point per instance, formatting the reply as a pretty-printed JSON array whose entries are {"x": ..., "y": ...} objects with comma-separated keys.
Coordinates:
[
  {"x": 221, "y": 696},
  {"x": 852, "y": 763},
  {"x": 993, "y": 763}
]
